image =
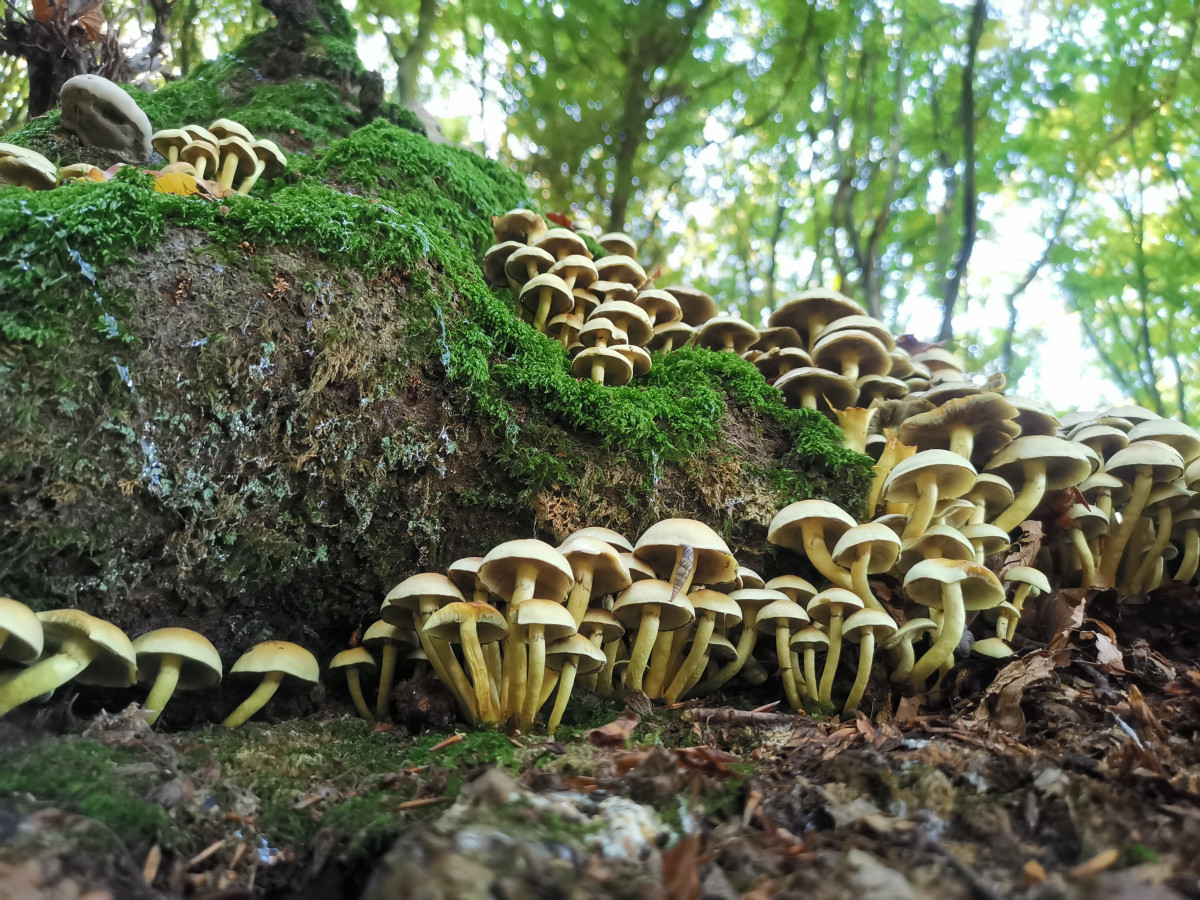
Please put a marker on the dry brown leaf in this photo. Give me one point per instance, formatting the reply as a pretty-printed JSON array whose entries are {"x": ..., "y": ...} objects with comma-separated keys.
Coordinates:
[
  {"x": 1026, "y": 547},
  {"x": 43, "y": 10},
  {"x": 1001, "y": 705},
  {"x": 91, "y": 20},
  {"x": 616, "y": 733},
  {"x": 681, "y": 869},
  {"x": 1105, "y": 859}
]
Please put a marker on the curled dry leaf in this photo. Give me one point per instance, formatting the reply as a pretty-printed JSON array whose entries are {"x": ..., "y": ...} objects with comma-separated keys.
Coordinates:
[
  {"x": 616, "y": 733},
  {"x": 1001, "y": 706}
]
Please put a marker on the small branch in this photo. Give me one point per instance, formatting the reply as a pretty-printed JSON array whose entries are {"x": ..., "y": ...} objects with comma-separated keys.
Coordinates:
[{"x": 740, "y": 718}]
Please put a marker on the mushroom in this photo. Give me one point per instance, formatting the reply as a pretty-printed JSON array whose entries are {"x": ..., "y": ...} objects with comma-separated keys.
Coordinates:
[
  {"x": 866, "y": 627},
  {"x": 829, "y": 608},
  {"x": 541, "y": 621},
  {"x": 20, "y": 632},
  {"x": 521, "y": 225},
  {"x": 495, "y": 259},
  {"x": 686, "y": 551},
  {"x": 980, "y": 422},
  {"x": 750, "y": 601},
  {"x": 781, "y": 617},
  {"x": 1035, "y": 464},
  {"x": 472, "y": 625},
  {"x": 810, "y": 311},
  {"x": 727, "y": 333},
  {"x": 623, "y": 270},
  {"x": 637, "y": 358},
  {"x": 26, "y": 168},
  {"x": 649, "y": 607},
  {"x": 598, "y": 571},
  {"x": 1142, "y": 463},
  {"x": 901, "y": 644},
  {"x": 1087, "y": 524},
  {"x": 617, "y": 540},
  {"x": 603, "y": 629},
  {"x": 80, "y": 647},
  {"x": 560, "y": 243},
  {"x": 169, "y": 142},
  {"x": 953, "y": 587},
  {"x": 670, "y": 336},
  {"x": 986, "y": 539},
  {"x": 202, "y": 155},
  {"x": 867, "y": 549},
  {"x": 617, "y": 242},
  {"x": 237, "y": 158},
  {"x": 923, "y": 479},
  {"x": 1164, "y": 501},
  {"x": 388, "y": 639},
  {"x": 174, "y": 658},
  {"x": 697, "y": 306},
  {"x": 892, "y": 454},
  {"x": 1030, "y": 583},
  {"x": 715, "y": 614},
  {"x": 659, "y": 306},
  {"x": 627, "y": 317},
  {"x": 812, "y": 527},
  {"x": 852, "y": 354},
  {"x": 808, "y": 641},
  {"x": 879, "y": 387},
  {"x": 271, "y": 164},
  {"x": 569, "y": 656},
  {"x": 603, "y": 365},
  {"x": 546, "y": 295},
  {"x": 815, "y": 388},
  {"x": 525, "y": 264},
  {"x": 353, "y": 661},
  {"x": 273, "y": 660},
  {"x": 227, "y": 128}
]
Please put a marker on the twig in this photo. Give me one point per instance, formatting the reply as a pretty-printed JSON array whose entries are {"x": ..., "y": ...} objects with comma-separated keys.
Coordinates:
[
  {"x": 423, "y": 801},
  {"x": 741, "y": 718}
]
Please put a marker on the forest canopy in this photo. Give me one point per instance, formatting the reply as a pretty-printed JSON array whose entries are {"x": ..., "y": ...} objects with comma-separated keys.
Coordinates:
[{"x": 963, "y": 168}]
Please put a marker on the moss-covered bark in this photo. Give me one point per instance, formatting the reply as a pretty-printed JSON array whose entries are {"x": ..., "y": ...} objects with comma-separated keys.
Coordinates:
[{"x": 258, "y": 415}]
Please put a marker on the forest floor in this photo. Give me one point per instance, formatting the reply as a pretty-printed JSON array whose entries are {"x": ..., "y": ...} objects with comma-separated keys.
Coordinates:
[{"x": 1073, "y": 771}]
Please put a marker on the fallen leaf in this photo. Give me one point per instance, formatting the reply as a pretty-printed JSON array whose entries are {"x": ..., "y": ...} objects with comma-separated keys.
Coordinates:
[
  {"x": 1105, "y": 859},
  {"x": 1001, "y": 705},
  {"x": 177, "y": 183},
  {"x": 616, "y": 733},
  {"x": 681, "y": 869}
]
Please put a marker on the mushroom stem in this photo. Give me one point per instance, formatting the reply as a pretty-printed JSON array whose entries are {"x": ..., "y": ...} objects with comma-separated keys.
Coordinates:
[
  {"x": 818, "y": 555},
  {"x": 640, "y": 655},
  {"x": 745, "y": 646},
  {"x": 249, "y": 181},
  {"x": 783, "y": 650},
  {"x": 866, "y": 656},
  {"x": 904, "y": 663},
  {"x": 604, "y": 685},
  {"x": 962, "y": 440},
  {"x": 810, "y": 672},
  {"x": 833, "y": 657},
  {"x": 512, "y": 682},
  {"x": 452, "y": 676},
  {"x": 164, "y": 686},
  {"x": 693, "y": 665},
  {"x": 468, "y": 631},
  {"x": 893, "y": 452},
  {"x": 265, "y": 691},
  {"x": 566, "y": 683},
  {"x": 1191, "y": 555},
  {"x": 1140, "y": 581},
  {"x": 1027, "y": 500},
  {"x": 922, "y": 512},
  {"x": 581, "y": 594},
  {"x": 1110, "y": 558},
  {"x": 491, "y": 653},
  {"x": 950, "y": 632},
  {"x": 387, "y": 672},
  {"x": 356, "y": 694},
  {"x": 75, "y": 655},
  {"x": 229, "y": 167},
  {"x": 543, "y": 310},
  {"x": 660, "y": 657},
  {"x": 536, "y": 645},
  {"x": 859, "y": 583}
]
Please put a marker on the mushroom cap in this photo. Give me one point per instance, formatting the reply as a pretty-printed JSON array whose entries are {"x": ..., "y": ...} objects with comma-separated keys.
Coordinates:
[
  {"x": 24, "y": 641},
  {"x": 992, "y": 648},
  {"x": 723, "y": 608},
  {"x": 799, "y": 589},
  {"x": 1091, "y": 487},
  {"x": 638, "y": 570},
  {"x": 658, "y": 304},
  {"x": 810, "y": 311},
  {"x": 617, "y": 242},
  {"x": 698, "y": 307},
  {"x": 26, "y": 168},
  {"x": 637, "y": 356},
  {"x": 910, "y": 631},
  {"x": 567, "y": 321},
  {"x": 822, "y": 606},
  {"x": 879, "y": 623},
  {"x": 657, "y": 546},
  {"x": 581, "y": 267},
  {"x": 1165, "y": 461},
  {"x": 517, "y": 267},
  {"x": 902, "y": 366},
  {"x": 879, "y": 540},
  {"x": 944, "y": 391},
  {"x": 609, "y": 574},
  {"x": 590, "y": 300},
  {"x": 869, "y": 324},
  {"x": 1170, "y": 432},
  {"x": 955, "y": 476},
  {"x": 679, "y": 333},
  {"x": 561, "y": 298},
  {"x": 1038, "y": 582},
  {"x": 1092, "y": 520},
  {"x": 381, "y": 633},
  {"x": 627, "y": 317},
  {"x": 717, "y": 330},
  {"x": 623, "y": 269},
  {"x": 354, "y": 658},
  {"x": 197, "y": 150},
  {"x": 774, "y": 362},
  {"x": 618, "y": 370},
  {"x": 114, "y": 666},
  {"x": 894, "y": 521},
  {"x": 409, "y": 593},
  {"x": 777, "y": 338},
  {"x": 954, "y": 512},
  {"x": 164, "y": 140},
  {"x": 720, "y": 647},
  {"x": 490, "y": 624},
  {"x": 992, "y": 491},
  {"x": 749, "y": 599},
  {"x": 200, "y": 133},
  {"x": 1033, "y": 417},
  {"x": 1167, "y": 494},
  {"x": 981, "y": 589},
  {"x": 603, "y": 622},
  {"x": 495, "y": 258},
  {"x": 1067, "y": 463},
  {"x": 560, "y": 242},
  {"x": 271, "y": 158},
  {"x": 938, "y": 542},
  {"x": 1104, "y": 439},
  {"x": 605, "y": 289},
  {"x": 990, "y": 538},
  {"x": 518, "y": 225},
  {"x": 786, "y": 528},
  {"x": 935, "y": 359},
  {"x": 617, "y": 540},
  {"x": 241, "y": 149},
  {"x": 597, "y": 329},
  {"x": 575, "y": 648},
  {"x": 982, "y": 414},
  {"x": 500, "y": 566},
  {"x": 227, "y": 128},
  {"x": 200, "y": 665},
  {"x": 632, "y": 601},
  {"x": 464, "y": 573},
  {"x": 278, "y": 656},
  {"x": 749, "y": 578},
  {"x": 885, "y": 387},
  {"x": 787, "y": 609},
  {"x": 831, "y": 351},
  {"x": 811, "y": 637},
  {"x": 833, "y": 390},
  {"x": 1130, "y": 415}
]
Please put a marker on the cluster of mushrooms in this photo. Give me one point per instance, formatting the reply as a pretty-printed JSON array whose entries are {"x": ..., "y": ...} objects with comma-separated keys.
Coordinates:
[
  {"x": 68, "y": 645},
  {"x": 606, "y": 312},
  {"x": 224, "y": 152}
]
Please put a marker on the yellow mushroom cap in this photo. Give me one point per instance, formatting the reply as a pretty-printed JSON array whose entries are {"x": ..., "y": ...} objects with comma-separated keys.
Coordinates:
[
  {"x": 200, "y": 663},
  {"x": 633, "y": 601},
  {"x": 278, "y": 656},
  {"x": 24, "y": 641},
  {"x": 227, "y": 128},
  {"x": 354, "y": 658},
  {"x": 575, "y": 648},
  {"x": 114, "y": 666},
  {"x": 658, "y": 545},
  {"x": 490, "y": 624},
  {"x": 500, "y": 566}
]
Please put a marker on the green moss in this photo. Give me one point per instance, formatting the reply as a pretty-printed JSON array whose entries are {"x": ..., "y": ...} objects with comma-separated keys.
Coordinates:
[{"x": 81, "y": 775}]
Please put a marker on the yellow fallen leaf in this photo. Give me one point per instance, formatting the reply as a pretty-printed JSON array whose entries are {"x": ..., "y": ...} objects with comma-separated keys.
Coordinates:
[{"x": 177, "y": 183}]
